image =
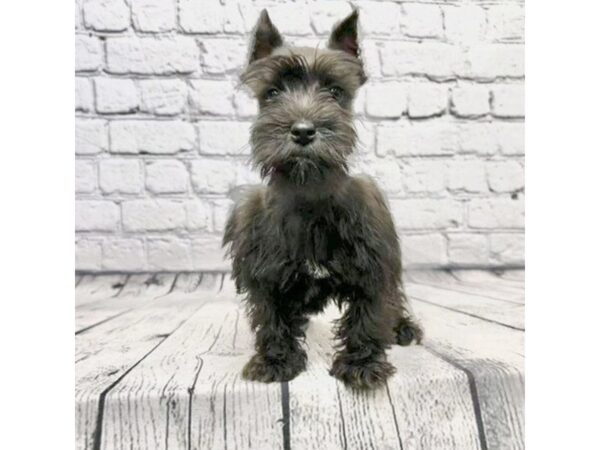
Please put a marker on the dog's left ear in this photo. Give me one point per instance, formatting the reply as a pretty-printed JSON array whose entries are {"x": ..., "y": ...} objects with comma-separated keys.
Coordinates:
[
  {"x": 344, "y": 35},
  {"x": 265, "y": 38}
]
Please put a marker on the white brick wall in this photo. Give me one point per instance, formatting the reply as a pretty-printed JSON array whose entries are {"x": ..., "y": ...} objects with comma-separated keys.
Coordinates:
[{"x": 162, "y": 126}]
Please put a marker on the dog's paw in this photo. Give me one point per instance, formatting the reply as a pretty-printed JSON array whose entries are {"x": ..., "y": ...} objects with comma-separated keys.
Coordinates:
[
  {"x": 407, "y": 332},
  {"x": 267, "y": 370},
  {"x": 362, "y": 374}
]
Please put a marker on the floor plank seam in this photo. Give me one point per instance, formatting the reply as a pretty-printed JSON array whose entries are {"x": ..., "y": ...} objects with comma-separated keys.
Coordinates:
[
  {"x": 285, "y": 410},
  {"x": 89, "y": 327},
  {"x": 458, "y": 311},
  {"x": 472, "y": 390},
  {"x": 460, "y": 291},
  {"x": 387, "y": 388}
]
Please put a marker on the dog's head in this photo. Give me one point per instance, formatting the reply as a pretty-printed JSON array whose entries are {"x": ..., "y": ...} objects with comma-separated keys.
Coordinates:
[{"x": 305, "y": 123}]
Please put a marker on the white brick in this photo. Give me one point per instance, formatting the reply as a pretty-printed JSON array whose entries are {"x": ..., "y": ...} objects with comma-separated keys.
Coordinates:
[
  {"x": 198, "y": 214},
  {"x": 145, "y": 136},
  {"x": 78, "y": 15},
  {"x": 123, "y": 254},
  {"x": 120, "y": 176},
  {"x": 213, "y": 176},
  {"x": 380, "y": 18},
  {"x": 86, "y": 180},
  {"x": 385, "y": 100},
  {"x": 505, "y": 176},
  {"x": 506, "y": 22},
  {"x": 508, "y": 248},
  {"x": 508, "y": 100},
  {"x": 209, "y": 17},
  {"x": 424, "y": 176},
  {"x": 224, "y": 138},
  {"x": 467, "y": 176},
  {"x": 490, "y": 61},
  {"x": 468, "y": 249},
  {"x": 324, "y": 15},
  {"x": 371, "y": 57},
  {"x": 440, "y": 137},
  {"x": 106, "y": 15},
  {"x": 244, "y": 174},
  {"x": 434, "y": 59},
  {"x": 245, "y": 104},
  {"x": 166, "y": 177},
  {"x": 511, "y": 137},
  {"x": 96, "y": 215},
  {"x": 422, "y": 20},
  {"x": 116, "y": 95},
  {"x": 153, "y": 215},
  {"x": 420, "y": 214},
  {"x": 423, "y": 250},
  {"x": 214, "y": 97},
  {"x": 427, "y": 99},
  {"x": 464, "y": 23},
  {"x": 417, "y": 138},
  {"x": 223, "y": 56},
  {"x": 84, "y": 95},
  {"x": 169, "y": 254},
  {"x": 470, "y": 100},
  {"x": 154, "y": 15},
  {"x": 150, "y": 55},
  {"x": 207, "y": 254},
  {"x": 88, "y": 254},
  {"x": 221, "y": 210},
  {"x": 163, "y": 97},
  {"x": 496, "y": 213},
  {"x": 480, "y": 138},
  {"x": 91, "y": 136},
  {"x": 291, "y": 18},
  {"x": 387, "y": 172},
  {"x": 88, "y": 53}
]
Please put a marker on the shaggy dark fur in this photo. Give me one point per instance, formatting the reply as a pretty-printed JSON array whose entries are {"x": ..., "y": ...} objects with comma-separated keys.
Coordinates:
[{"x": 314, "y": 233}]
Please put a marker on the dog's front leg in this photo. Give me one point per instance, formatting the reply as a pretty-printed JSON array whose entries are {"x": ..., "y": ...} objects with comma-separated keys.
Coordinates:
[
  {"x": 279, "y": 354},
  {"x": 361, "y": 361}
]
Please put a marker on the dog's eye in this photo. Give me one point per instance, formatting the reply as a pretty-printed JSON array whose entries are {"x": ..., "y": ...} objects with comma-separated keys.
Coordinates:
[
  {"x": 271, "y": 93},
  {"x": 336, "y": 92}
]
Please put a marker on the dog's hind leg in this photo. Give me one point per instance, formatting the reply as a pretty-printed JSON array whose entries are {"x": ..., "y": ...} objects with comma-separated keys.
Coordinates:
[{"x": 406, "y": 328}]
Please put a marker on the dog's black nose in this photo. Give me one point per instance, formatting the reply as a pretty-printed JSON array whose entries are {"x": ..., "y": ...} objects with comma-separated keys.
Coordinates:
[{"x": 303, "y": 132}]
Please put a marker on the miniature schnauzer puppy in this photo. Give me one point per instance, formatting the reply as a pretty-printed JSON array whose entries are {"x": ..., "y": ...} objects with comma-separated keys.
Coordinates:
[{"x": 314, "y": 233}]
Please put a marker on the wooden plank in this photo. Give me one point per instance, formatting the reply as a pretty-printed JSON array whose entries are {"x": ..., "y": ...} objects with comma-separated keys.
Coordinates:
[
  {"x": 427, "y": 404},
  {"x": 495, "y": 290},
  {"x": 513, "y": 275},
  {"x": 317, "y": 417},
  {"x": 492, "y": 356},
  {"x": 107, "y": 352},
  {"x": 138, "y": 290},
  {"x": 486, "y": 278},
  {"x": 507, "y": 314},
  {"x": 98, "y": 287},
  {"x": 189, "y": 387}
]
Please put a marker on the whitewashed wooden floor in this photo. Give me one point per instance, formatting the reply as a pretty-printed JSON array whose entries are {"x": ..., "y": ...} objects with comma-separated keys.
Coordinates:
[{"x": 158, "y": 361}]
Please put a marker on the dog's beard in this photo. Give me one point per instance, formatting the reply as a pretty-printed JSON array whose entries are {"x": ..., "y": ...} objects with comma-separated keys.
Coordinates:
[{"x": 302, "y": 164}]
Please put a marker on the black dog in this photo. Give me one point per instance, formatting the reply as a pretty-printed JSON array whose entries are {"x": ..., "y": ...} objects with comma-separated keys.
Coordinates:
[{"x": 314, "y": 233}]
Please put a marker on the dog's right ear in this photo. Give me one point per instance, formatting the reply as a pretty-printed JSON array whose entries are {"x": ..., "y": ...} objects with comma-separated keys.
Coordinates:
[{"x": 266, "y": 38}]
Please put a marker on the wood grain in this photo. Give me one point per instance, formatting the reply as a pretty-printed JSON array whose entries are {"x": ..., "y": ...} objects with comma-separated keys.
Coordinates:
[
  {"x": 492, "y": 356},
  {"x": 98, "y": 287},
  {"x": 138, "y": 290},
  {"x": 508, "y": 314},
  {"x": 165, "y": 374},
  {"x": 107, "y": 352}
]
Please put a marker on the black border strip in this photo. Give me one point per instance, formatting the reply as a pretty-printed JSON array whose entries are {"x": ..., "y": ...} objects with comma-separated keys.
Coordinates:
[{"x": 472, "y": 390}]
